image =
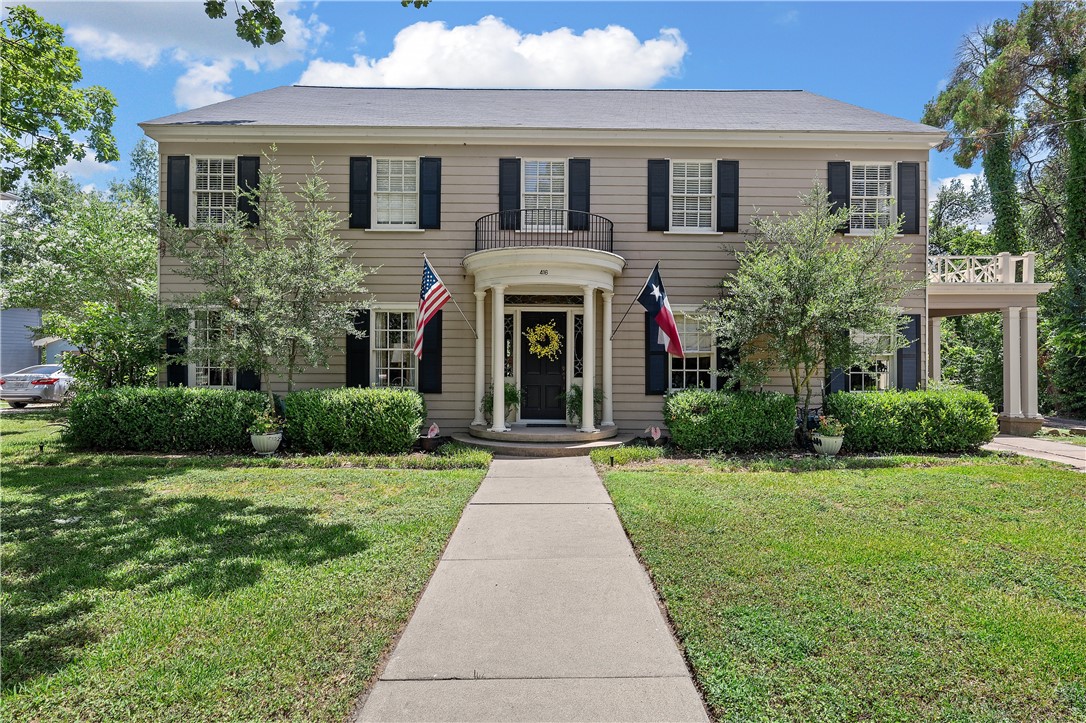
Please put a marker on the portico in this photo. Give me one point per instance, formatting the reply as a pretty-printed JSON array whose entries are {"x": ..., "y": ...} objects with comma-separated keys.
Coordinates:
[{"x": 565, "y": 287}]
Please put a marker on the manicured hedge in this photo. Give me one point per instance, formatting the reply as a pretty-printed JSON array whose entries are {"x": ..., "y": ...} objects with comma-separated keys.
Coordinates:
[
  {"x": 944, "y": 420},
  {"x": 367, "y": 421},
  {"x": 168, "y": 420},
  {"x": 701, "y": 420}
]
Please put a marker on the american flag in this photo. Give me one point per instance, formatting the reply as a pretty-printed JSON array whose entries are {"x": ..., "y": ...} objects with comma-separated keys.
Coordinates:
[{"x": 433, "y": 296}]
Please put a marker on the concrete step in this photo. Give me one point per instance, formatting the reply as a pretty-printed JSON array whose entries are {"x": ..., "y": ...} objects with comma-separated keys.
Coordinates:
[
  {"x": 542, "y": 449},
  {"x": 528, "y": 433}
]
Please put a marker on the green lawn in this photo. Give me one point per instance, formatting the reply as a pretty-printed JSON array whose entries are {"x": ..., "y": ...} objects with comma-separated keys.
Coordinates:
[
  {"x": 201, "y": 588},
  {"x": 954, "y": 592}
]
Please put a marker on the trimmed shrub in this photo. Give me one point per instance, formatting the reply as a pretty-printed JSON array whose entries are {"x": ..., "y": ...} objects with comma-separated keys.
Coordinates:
[
  {"x": 173, "y": 419},
  {"x": 702, "y": 420},
  {"x": 366, "y": 421},
  {"x": 942, "y": 420}
]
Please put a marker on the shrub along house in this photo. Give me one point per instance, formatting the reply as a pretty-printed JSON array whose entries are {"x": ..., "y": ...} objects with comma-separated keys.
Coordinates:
[{"x": 549, "y": 208}]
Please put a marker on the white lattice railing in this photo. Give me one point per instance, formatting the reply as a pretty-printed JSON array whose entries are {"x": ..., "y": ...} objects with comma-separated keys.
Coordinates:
[{"x": 999, "y": 269}]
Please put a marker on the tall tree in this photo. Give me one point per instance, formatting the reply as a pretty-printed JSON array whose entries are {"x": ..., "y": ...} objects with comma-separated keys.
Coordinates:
[
  {"x": 801, "y": 288},
  {"x": 979, "y": 113},
  {"x": 257, "y": 22},
  {"x": 42, "y": 112},
  {"x": 287, "y": 290}
]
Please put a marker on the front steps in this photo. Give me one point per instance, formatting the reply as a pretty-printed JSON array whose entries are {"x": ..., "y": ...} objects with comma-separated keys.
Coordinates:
[{"x": 526, "y": 441}]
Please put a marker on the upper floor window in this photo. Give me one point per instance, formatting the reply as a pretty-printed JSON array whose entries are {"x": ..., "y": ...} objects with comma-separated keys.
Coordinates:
[
  {"x": 206, "y": 328},
  {"x": 215, "y": 187},
  {"x": 695, "y": 369},
  {"x": 395, "y": 363},
  {"x": 544, "y": 195},
  {"x": 872, "y": 196},
  {"x": 692, "y": 195},
  {"x": 396, "y": 194}
]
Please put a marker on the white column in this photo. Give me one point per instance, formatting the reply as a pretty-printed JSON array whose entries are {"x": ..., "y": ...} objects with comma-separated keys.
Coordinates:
[
  {"x": 498, "y": 360},
  {"x": 1028, "y": 342},
  {"x": 608, "y": 373},
  {"x": 588, "y": 374},
  {"x": 1012, "y": 362},
  {"x": 480, "y": 356},
  {"x": 935, "y": 351}
]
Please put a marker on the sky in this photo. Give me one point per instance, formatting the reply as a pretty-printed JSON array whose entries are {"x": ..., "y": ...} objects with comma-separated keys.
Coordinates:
[{"x": 162, "y": 57}]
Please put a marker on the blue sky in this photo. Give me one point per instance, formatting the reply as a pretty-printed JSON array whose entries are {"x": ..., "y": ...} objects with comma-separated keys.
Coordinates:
[{"x": 161, "y": 57}]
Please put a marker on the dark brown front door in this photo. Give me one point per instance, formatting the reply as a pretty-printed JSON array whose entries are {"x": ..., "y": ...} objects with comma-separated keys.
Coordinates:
[{"x": 542, "y": 381}]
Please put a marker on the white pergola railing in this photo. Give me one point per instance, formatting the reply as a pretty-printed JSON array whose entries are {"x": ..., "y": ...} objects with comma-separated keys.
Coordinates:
[{"x": 999, "y": 269}]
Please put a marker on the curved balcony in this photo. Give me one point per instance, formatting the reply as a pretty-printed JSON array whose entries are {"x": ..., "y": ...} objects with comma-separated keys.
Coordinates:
[{"x": 544, "y": 227}]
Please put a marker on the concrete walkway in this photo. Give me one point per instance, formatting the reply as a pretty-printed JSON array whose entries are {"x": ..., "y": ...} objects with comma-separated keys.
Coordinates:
[
  {"x": 1049, "y": 449},
  {"x": 538, "y": 611}
]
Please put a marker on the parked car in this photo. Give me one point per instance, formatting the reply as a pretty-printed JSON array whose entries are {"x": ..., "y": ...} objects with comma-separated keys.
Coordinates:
[{"x": 40, "y": 384}]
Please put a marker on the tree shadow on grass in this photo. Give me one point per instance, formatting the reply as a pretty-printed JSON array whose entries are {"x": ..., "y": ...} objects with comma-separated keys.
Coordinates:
[{"x": 71, "y": 535}]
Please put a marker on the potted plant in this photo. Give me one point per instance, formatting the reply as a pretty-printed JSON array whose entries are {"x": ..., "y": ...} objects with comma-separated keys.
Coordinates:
[
  {"x": 574, "y": 400},
  {"x": 512, "y": 402},
  {"x": 828, "y": 436},
  {"x": 432, "y": 439},
  {"x": 266, "y": 433}
]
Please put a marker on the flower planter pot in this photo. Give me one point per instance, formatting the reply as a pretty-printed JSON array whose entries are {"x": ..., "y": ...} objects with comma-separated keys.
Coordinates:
[
  {"x": 429, "y": 444},
  {"x": 266, "y": 443},
  {"x": 827, "y": 446}
]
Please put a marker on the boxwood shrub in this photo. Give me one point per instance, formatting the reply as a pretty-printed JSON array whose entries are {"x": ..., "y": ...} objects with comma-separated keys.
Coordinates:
[
  {"x": 703, "y": 420},
  {"x": 174, "y": 419},
  {"x": 943, "y": 420},
  {"x": 366, "y": 421}
]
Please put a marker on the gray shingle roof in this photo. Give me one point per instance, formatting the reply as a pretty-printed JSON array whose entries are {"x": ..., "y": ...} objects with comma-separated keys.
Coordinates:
[{"x": 717, "y": 110}]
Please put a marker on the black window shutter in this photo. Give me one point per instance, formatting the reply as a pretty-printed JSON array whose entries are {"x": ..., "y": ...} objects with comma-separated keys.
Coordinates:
[
  {"x": 429, "y": 193},
  {"x": 908, "y": 196},
  {"x": 177, "y": 373},
  {"x": 247, "y": 381},
  {"x": 837, "y": 381},
  {"x": 727, "y": 196},
  {"x": 358, "y": 352},
  {"x": 509, "y": 193},
  {"x": 359, "y": 203},
  {"x": 248, "y": 179},
  {"x": 659, "y": 190},
  {"x": 655, "y": 358},
  {"x": 839, "y": 185},
  {"x": 579, "y": 193},
  {"x": 430, "y": 363},
  {"x": 177, "y": 189},
  {"x": 727, "y": 360},
  {"x": 908, "y": 357}
]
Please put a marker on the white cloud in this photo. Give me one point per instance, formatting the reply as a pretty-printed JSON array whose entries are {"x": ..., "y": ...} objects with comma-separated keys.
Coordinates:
[
  {"x": 86, "y": 168},
  {"x": 790, "y": 17},
  {"x": 149, "y": 33},
  {"x": 493, "y": 54},
  {"x": 203, "y": 84}
]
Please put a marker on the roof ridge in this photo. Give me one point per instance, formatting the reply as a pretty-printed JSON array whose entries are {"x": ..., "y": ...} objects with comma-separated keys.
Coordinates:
[{"x": 564, "y": 90}]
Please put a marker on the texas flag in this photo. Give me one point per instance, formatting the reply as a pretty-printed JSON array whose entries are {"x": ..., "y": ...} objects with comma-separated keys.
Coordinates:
[{"x": 654, "y": 299}]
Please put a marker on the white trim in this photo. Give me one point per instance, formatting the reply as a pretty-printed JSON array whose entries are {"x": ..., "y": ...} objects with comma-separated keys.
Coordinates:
[
  {"x": 565, "y": 194},
  {"x": 687, "y": 310},
  {"x": 193, "y": 207},
  {"x": 375, "y": 225},
  {"x": 192, "y": 366},
  {"x": 691, "y": 230},
  {"x": 867, "y": 140},
  {"x": 399, "y": 307},
  {"x": 893, "y": 195}
]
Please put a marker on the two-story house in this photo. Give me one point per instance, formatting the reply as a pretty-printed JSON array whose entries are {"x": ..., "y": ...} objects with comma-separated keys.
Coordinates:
[{"x": 552, "y": 206}]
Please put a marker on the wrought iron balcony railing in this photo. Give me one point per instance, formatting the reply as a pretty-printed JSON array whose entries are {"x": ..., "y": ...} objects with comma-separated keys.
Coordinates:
[
  {"x": 544, "y": 227},
  {"x": 999, "y": 269}
]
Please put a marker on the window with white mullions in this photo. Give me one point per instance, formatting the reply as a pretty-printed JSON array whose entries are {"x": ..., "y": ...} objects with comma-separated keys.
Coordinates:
[
  {"x": 872, "y": 193},
  {"x": 393, "y": 349},
  {"x": 215, "y": 188},
  {"x": 878, "y": 373},
  {"x": 695, "y": 369},
  {"x": 544, "y": 195},
  {"x": 207, "y": 370},
  {"x": 692, "y": 195},
  {"x": 396, "y": 194}
]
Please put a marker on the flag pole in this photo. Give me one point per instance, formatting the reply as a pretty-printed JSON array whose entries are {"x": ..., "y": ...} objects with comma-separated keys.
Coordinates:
[
  {"x": 633, "y": 302},
  {"x": 453, "y": 299}
]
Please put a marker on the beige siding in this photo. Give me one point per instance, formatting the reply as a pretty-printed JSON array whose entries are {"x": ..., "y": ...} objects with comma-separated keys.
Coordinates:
[{"x": 692, "y": 265}]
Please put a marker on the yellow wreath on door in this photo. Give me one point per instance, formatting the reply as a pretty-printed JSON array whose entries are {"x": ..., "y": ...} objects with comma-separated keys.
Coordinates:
[{"x": 544, "y": 341}]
